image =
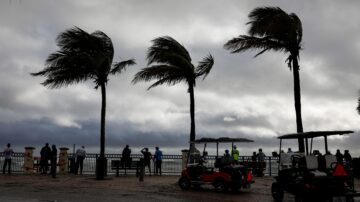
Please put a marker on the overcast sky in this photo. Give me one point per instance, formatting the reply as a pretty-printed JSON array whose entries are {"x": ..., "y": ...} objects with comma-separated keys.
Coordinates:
[{"x": 243, "y": 96}]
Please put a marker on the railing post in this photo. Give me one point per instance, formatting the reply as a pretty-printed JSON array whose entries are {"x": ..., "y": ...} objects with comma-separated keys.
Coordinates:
[
  {"x": 63, "y": 160},
  {"x": 29, "y": 160},
  {"x": 270, "y": 165}
]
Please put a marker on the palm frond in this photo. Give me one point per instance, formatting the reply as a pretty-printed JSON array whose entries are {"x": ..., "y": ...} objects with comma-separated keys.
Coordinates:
[
  {"x": 81, "y": 56},
  {"x": 296, "y": 23},
  {"x": 170, "y": 80},
  {"x": 120, "y": 66},
  {"x": 266, "y": 21},
  {"x": 163, "y": 47},
  {"x": 158, "y": 72},
  {"x": 244, "y": 42},
  {"x": 204, "y": 67}
]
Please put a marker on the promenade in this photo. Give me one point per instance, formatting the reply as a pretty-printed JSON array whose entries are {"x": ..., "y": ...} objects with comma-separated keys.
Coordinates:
[
  {"x": 76, "y": 188},
  {"x": 71, "y": 188}
]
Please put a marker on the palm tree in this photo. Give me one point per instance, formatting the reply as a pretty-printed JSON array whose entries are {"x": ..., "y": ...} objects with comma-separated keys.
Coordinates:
[
  {"x": 273, "y": 29},
  {"x": 170, "y": 63},
  {"x": 83, "y": 56}
]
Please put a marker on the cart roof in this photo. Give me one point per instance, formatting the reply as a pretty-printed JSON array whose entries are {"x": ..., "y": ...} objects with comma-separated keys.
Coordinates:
[
  {"x": 313, "y": 134},
  {"x": 221, "y": 139}
]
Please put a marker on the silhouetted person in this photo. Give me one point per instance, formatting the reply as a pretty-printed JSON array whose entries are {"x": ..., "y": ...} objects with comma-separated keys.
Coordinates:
[
  {"x": 158, "y": 156},
  {"x": 289, "y": 151},
  {"x": 8, "y": 152},
  {"x": 147, "y": 158},
  {"x": 339, "y": 156},
  {"x": 53, "y": 160},
  {"x": 126, "y": 156},
  {"x": 45, "y": 154},
  {"x": 80, "y": 156},
  {"x": 261, "y": 162},
  {"x": 347, "y": 158},
  {"x": 254, "y": 162}
]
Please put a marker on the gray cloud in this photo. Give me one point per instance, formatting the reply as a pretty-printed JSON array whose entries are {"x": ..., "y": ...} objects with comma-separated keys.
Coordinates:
[{"x": 242, "y": 96}]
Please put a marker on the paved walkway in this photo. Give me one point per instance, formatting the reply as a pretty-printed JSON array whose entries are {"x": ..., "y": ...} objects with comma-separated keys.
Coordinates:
[{"x": 71, "y": 188}]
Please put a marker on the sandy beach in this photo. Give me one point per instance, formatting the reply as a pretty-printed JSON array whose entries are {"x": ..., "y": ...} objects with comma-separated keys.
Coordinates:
[{"x": 74, "y": 188}]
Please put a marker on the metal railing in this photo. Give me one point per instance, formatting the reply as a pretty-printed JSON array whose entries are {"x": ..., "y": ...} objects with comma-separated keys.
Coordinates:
[{"x": 172, "y": 164}]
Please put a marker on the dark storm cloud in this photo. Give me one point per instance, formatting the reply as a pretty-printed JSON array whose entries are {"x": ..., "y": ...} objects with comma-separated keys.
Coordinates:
[{"x": 243, "y": 96}]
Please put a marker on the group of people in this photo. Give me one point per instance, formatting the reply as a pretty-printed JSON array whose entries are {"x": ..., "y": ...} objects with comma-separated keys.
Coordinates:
[
  {"x": 258, "y": 160},
  {"x": 48, "y": 154},
  {"x": 344, "y": 158},
  {"x": 157, "y": 158}
]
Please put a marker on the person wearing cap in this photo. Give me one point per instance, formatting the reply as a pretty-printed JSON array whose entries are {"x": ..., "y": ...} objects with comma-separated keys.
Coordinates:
[
  {"x": 235, "y": 154},
  {"x": 226, "y": 159}
]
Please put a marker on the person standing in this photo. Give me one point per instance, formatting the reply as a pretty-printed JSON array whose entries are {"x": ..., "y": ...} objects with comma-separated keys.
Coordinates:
[
  {"x": 158, "y": 160},
  {"x": 80, "y": 156},
  {"x": 339, "y": 156},
  {"x": 147, "y": 158},
  {"x": 53, "y": 161},
  {"x": 235, "y": 154},
  {"x": 8, "y": 152},
  {"x": 126, "y": 156},
  {"x": 45, "y": 154},
  {"x": 261, "y": 163},
  {"x": 348, "y": 159}
]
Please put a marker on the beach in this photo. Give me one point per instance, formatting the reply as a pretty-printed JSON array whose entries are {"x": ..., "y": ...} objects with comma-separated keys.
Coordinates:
[{"x": 81, "y": 188}]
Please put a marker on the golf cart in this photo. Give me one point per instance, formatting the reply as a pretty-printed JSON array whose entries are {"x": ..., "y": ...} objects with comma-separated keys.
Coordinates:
[
  {"x": 311, "y": 176},
  {"x": 222, "y": 176}
]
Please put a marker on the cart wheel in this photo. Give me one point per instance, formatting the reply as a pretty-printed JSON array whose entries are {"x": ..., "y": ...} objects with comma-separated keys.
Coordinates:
[
  {"x": 219, "y": 185},
  {"x": 184, "y": 183},
  {"x": 277, "y": 192}
]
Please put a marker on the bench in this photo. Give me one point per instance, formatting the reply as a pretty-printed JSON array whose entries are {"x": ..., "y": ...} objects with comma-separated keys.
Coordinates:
[{"x": 117, "y": 165}]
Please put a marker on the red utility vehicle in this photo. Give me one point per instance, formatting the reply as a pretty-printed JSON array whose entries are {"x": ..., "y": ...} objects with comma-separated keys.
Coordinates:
[{"x": 223, "y": 177}]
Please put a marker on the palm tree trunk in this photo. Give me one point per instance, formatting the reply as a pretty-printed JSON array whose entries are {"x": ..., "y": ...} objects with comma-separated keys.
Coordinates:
[
  {"x": 103, "y": 113},
  {"x": 101, "y": 164},
  {"x": 192, "y": 113},
  {"x": 297, "y": 98}
]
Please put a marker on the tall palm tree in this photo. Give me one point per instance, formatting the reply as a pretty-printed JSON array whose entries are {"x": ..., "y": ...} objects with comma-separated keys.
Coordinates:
[
  {"x": 170, "y": 63},
  {"x": 83, "y": 56},
  {"x": 273, "y": 29}
]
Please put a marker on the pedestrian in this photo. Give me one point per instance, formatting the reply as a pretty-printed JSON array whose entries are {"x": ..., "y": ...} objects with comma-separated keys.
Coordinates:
[
  {"x": 254, "y": 162},
  {"x": 45, "y": 155},
  {"x": 235, "y": 154},
  {"x": 348, "y": 159},
  {"x": 53, "y": 161},
  {"x": 8, "y": 152},
  {"x": 339, "y": 156},
  {"x": 80, "y": 156},
  {"x": 147, "y": 158},
  {"x": 289, "y": 151},
  {"x": 158, "y": 160},
  {"x": 261, "y": 163},
  {"x": 125, "y": 160}
]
